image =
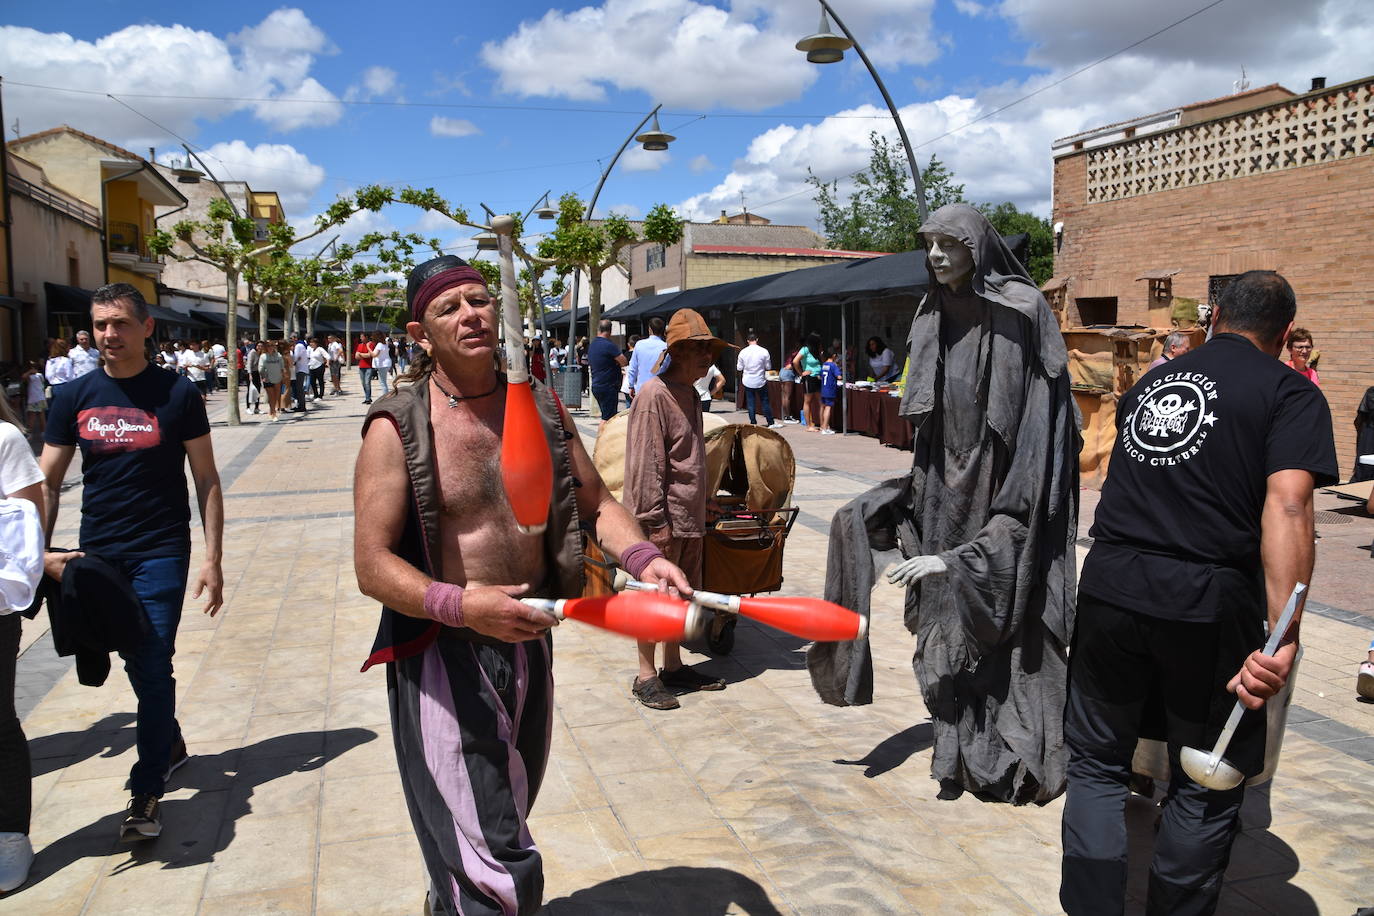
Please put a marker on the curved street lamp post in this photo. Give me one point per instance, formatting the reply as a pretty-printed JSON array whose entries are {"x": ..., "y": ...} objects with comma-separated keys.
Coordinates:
[
  {"x": 651, "y": 140},
  {"x": 825, "y": 47}
]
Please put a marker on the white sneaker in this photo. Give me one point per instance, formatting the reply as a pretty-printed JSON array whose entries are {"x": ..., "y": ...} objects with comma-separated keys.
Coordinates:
[
  {"x": 16, "y": 855},
  {"x": 828, "y": 432},
  {"x": 790, "y": 420},
  {"x": 775, "y": 425}
]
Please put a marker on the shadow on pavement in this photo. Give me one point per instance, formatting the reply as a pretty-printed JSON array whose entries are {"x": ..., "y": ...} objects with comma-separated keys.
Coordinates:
[
  {"x": 110, "y": 737},
  {"x": 895, "y": 751},
  {"x": 198, "y": 828},
  {"x": 669, "y": 891},
  {"x": 1262, "y": 865}
]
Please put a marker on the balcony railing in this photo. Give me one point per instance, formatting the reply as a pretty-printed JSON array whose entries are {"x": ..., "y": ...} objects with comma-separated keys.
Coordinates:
[{"x": 124, "y": 238}]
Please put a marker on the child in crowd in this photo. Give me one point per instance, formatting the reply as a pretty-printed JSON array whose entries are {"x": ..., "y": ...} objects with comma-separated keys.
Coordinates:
[
  {"x": 35, "y": 399},
  {"x": 830, "y": 389}
]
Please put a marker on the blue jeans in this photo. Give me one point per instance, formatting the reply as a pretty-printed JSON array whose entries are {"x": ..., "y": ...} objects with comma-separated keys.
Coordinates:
[
  {"x": 382, "y": 372},
  {"x": 160, "y": 583},
  {"x": 754, "y": 394},
  {"x": 365, "y": 375}
]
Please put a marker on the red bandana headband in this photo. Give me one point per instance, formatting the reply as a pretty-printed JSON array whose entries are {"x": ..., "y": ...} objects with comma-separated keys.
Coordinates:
[{"x": 440, "y": 283}]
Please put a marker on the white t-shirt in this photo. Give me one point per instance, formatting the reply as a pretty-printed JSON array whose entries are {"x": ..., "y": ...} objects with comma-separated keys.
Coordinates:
[
  {"x": 753, "y": 365},
  {"x": 58, "y": 370},
  {"x": 703, "y": 384},
  {"x": 882, "y": 363},
  {"x": 83, "y": 361},
  {"x": 383, "y": 358},
  {"x": 300, "y": 356},
  {"x": 318, "y": 357},
  {"x": 195, "y": 363},
  {"x": 35, "y": 393},
  {"x": 18, "y": 468},
  {"x": 556, "y": 357},
  {"x": 218, "y": 351},
  {"x": 336, "y": 352}
]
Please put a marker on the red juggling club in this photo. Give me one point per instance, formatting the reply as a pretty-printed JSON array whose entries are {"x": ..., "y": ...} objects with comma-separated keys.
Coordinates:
[
  {"x": 526, "y": 466},
  {"x": 809, "y": 618},
  {"x": 646, "y": 616}
]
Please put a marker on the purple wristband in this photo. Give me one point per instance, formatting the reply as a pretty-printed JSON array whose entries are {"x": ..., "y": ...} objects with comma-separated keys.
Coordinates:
[
  {"x": 444, "y": 603},
  {"x": 638, "y": 556}
]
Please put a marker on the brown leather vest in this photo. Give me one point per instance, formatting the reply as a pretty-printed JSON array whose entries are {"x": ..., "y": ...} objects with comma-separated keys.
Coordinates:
[{"x": 407, "y": 407}]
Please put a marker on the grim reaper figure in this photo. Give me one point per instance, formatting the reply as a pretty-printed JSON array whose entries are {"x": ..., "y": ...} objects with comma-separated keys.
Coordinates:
[{"x": 983, "y": 526}]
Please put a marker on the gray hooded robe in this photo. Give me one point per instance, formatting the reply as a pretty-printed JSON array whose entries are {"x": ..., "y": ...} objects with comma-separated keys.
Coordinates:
[{"x": 994, "y": 493}]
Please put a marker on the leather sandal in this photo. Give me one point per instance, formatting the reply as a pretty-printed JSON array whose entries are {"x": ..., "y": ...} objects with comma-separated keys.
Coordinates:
[{"x": 652, "y": 693}]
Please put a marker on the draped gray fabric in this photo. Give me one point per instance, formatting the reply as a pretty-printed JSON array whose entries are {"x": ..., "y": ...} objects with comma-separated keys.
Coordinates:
[{"x": 994, "y": 493}]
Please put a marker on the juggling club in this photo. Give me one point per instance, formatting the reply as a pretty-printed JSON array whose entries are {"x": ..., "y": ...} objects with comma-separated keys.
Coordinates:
[
  {"x": 646, "y": 616},
  {"x": 808, "y": 618},
  {"x": 526, "y": 466}
]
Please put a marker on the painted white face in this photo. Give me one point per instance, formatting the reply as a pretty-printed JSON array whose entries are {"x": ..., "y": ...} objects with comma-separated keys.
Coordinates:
[{"x": 949, "y": 258}]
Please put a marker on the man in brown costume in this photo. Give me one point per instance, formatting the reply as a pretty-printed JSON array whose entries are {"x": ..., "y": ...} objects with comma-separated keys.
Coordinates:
[{"x": 984, "y": 523}]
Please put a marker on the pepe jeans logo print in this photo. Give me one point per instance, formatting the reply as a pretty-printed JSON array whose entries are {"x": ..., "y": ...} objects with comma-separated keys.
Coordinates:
[
  {"x": 118, "y": 429},
  {"x": 1172, "y": 419}
]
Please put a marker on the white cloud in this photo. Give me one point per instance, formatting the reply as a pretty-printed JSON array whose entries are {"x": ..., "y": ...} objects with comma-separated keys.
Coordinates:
[
  {"x": 269, "y": 60},
  {"x": 375, "y": 82},
  {"x": 276, "y": 167},
  {"x": 440, "y": 126},
  {"x": 970, "y": 7},
  {"x": 1007, "y": 156},
  {"x": 701, "y": 164},
  {"x": 629, "y": 211},
  {"x": 742, "y": 57},
  {"x": 639, "y": 159}
]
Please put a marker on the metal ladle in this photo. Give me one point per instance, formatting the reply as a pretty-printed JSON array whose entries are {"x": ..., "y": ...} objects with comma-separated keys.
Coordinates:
[{"x": 1209, "y": 769}]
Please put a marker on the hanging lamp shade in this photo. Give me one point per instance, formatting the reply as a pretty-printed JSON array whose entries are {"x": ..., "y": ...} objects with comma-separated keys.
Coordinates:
[
  {"x": 546, "y": 211},
  {"x": 486, "y": 241},
  {"x": 824, "y": 47},
  {"x": 654, "y": 139}
]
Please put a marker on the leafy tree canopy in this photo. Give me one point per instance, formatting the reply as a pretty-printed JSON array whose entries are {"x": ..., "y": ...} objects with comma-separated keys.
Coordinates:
[{"x": 881, "y": 213}]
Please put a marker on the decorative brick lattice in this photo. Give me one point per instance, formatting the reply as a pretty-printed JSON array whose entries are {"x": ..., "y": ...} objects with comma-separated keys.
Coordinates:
[{"x": 1306, "y": 131}]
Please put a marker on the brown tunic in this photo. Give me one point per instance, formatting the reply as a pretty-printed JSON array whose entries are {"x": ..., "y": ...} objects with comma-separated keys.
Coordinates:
[{"x": 665, "y": 459}]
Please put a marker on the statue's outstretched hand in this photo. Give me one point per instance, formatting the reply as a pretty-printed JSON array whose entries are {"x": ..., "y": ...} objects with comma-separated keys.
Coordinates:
[{"x": 909, "y": 572}]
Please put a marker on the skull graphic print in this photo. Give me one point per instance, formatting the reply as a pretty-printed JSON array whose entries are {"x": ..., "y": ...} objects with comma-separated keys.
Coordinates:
[{"x": 1171, "y": 419}]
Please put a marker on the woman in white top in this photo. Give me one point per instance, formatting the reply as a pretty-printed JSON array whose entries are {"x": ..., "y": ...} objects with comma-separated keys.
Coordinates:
[
  {"x": 381, "y": 361},
  {"x": 880, "y": 360},
  {"x": 20, "y": 479},
  {"x": 59, "y": 367}
]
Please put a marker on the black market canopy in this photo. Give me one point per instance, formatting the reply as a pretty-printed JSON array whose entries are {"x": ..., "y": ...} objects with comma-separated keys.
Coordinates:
[{"x": 859, "y": 280}]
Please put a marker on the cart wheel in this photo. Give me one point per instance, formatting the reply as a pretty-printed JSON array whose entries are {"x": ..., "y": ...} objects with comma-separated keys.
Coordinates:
[{"x": 720, "y": 634}]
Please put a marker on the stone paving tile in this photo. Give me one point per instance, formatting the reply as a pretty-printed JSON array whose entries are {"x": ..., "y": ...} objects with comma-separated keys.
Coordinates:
[{"x": 756, "y": 799}]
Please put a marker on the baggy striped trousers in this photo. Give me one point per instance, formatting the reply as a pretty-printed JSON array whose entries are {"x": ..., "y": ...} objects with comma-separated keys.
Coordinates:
[{"x": 472, "y": 724}]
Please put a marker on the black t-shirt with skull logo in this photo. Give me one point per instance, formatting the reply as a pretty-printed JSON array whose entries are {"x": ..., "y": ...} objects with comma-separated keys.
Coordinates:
[{"x": 1177, "y": 531}]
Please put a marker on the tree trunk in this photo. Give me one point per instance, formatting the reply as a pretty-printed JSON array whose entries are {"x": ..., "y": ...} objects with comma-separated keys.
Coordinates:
[
  {"x": 593, "y": 304},
  {"x": 262, "y": 320},
  {"x": 348, "y": 337},
  {"x": 309, "y": 322},
  {"x": 231, "y": 342}
]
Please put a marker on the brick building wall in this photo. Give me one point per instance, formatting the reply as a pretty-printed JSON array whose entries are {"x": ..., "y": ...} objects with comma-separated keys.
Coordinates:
[{"x": 1312, "y": 223}]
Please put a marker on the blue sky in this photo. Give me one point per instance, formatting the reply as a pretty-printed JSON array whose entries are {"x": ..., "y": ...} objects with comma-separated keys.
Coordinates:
[{"x": 506, "y": 100}]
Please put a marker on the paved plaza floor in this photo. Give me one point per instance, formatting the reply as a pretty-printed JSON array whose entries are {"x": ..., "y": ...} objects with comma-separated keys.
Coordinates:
[{"x": 758, "y": 799}]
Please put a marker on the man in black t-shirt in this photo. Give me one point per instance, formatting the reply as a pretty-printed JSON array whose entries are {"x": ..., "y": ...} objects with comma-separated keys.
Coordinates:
[
  {"x": 1205, "y": 523},
  {"x": 137, "y": 427}
]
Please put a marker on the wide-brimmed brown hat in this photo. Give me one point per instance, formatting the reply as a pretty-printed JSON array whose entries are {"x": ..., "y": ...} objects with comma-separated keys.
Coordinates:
[{"x": 687, "y": 324}]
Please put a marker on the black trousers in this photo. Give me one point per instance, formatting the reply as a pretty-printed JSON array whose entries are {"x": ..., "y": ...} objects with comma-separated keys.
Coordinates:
[
  {"x": 15, "y": 787},
  {"x": 1124, "y": 666},
  {"x": 317, "y": 382}
]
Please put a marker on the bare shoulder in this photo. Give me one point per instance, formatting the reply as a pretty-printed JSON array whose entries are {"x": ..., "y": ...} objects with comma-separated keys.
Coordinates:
[{"x": 381, "y": 465}]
